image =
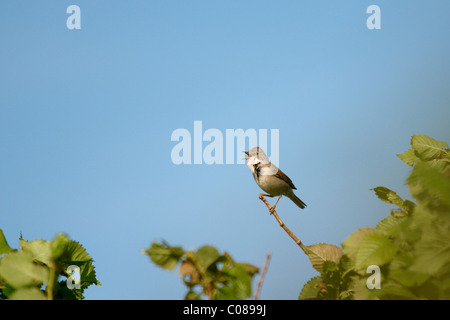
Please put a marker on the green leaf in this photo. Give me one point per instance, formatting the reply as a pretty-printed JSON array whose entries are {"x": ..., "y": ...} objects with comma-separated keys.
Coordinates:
[
  {"x": 75, "y": 254},
  {"x": 58, "y": 245},
  {"x": 319, "y": 253},
  {"x": 408, "y": 206},
  {"x": 225, "y": 293},
  {"x": 409, "y": 157},
  {"x": 427, "y": 148},
  {"x": 164, "y": 256},
  {"x": 332, "y": 278},
  {"x": 39, "y": 249},
  {"x": 249, "y": 268},
  {"x": 4, "y": 247},
  {"x": 40, "y": 262},
  {"x": 360, "y": 290},
  {"x": 18, "y": 269},
  {"x": 433, "y": 181},
  {"x": 239, "y": 283},
  {"x": 375, "y": 249},
  {"x": 408, "y": 278},
  {"x": 32, "y": 293},
  {"x": 62, "y": 292},
  {"x": 205, "y": 256},
  {"x": 392, "y": 292},
  {"x": 432, "y": 251},
  {"x": 388, "y": 196},
  {"x": 311, "y": 289},
  {"x": 351, "y": 245},
  {"x": 390, "y": 225}
]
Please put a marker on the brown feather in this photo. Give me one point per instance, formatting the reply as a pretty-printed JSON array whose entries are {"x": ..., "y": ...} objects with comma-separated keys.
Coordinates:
[{"x": 285, "y": 178}]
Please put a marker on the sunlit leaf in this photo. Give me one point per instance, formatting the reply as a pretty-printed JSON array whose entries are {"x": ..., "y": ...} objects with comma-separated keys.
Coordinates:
[
  {"x": 409, "y": 157},
  {"x": 4, "y": 247},
  {"x": 28, "y": 293},
  {"x": 19, "y": 269},
  {"x": 427, "y": 148},
  {"x": 375, "y": 249},
  {"x": 388, "y": 196},
  {"x": 351, "y": 245},
  {"x": 164, "y": 256},
  {"x": 311, "y": 289},
  {"x": 319, "y": 253}
]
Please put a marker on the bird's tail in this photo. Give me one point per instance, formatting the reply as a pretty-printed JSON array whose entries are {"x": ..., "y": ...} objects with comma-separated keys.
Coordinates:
[{"x": 296, "y": 200}]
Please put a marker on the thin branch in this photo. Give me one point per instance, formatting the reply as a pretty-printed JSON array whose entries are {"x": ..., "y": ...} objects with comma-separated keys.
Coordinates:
[
  {"x": 263, "y": 274},
  {"x": 289, "y": 232}
]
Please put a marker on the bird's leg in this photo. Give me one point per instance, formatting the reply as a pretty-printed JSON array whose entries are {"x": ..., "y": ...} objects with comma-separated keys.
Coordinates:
[{"x": 272, "y": 209}]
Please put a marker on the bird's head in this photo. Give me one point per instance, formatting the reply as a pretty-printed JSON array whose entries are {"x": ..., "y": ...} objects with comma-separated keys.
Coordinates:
[{"x": 254, "y": 157}]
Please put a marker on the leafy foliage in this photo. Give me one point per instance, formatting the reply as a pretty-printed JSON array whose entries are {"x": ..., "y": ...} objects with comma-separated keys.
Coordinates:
[
  {"x": 205, "y": 272},
  {"x": 31, "y": 273},
  {"x": 411, "y": 246}
]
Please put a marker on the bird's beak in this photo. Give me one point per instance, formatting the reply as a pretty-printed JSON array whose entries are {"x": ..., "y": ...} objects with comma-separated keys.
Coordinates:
[{"x": 246, "y": 152}]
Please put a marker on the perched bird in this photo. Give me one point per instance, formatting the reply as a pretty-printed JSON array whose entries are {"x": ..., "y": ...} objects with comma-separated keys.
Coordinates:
[{"x": 269, "y": 178}]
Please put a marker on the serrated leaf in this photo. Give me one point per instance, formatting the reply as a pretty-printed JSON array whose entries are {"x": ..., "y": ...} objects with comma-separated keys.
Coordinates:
[
  {"x": 311, "y": 289},
  {"x": 388, "y": 196},
  {"x": 39, "y": 249},
  {"x": 351, "y": 244},
  {"x": 18, "y": 269},
  {"x": 389, "y": 225},
  {"x": 408, "y": 157},
  {"x": 427, "y": 148},
  {"x": 4, "y": 247},
  {"x": 374, "y": 249},
  {"x": 75, "y": 254},
  {"x": 164, "y": 256},
  {"x": 319, "y": 253},
  {"x": 62, "y": 292}
]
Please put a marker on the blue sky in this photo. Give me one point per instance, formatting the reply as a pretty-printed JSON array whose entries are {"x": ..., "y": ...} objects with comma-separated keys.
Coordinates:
[{"x": 86, "y": 118}]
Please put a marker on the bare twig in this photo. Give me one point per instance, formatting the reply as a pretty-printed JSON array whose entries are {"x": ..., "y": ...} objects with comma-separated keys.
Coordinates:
[
  {"x": 289, "y": 232},
  {"x": 263, "y": 274}
]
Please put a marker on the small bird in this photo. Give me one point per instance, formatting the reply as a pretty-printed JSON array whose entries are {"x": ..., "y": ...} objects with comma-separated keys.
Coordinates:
[{"x": 271, "y": 179}]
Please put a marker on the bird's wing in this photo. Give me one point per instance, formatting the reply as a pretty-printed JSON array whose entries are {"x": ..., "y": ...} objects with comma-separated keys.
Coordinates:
[
  {"x": 280, "y": 174},
  {"x": 271, "y": 169}
]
